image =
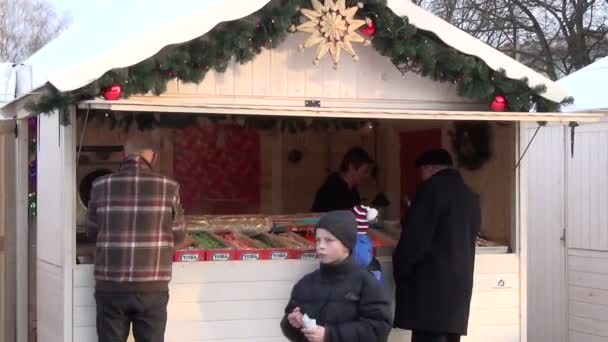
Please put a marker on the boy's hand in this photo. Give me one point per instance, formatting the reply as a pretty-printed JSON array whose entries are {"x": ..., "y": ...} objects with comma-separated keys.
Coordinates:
[
  {"x": 314, "y": 334},
  {"x": 295, "y": 318}
]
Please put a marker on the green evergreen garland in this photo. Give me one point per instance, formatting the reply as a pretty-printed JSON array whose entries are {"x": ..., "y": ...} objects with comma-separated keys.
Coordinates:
[{"x": 409, "y": 49}]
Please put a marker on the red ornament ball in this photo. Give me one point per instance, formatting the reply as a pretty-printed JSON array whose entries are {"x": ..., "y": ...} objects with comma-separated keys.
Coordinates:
[
  {"x": 113, "y": 93},
  {"x": 370, "y": 28},
  {"x": 499, "y": 104}
]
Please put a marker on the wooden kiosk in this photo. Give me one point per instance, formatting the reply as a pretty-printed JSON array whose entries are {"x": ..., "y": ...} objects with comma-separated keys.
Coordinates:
[{"x": 243, "y": 301}]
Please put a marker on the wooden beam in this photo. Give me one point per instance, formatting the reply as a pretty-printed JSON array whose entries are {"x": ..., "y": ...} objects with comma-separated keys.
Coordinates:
[{"x": 338, "y": 112}]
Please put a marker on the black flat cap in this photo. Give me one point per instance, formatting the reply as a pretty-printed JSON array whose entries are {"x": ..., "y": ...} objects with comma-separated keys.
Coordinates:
[{"x": 435, "y": 157}]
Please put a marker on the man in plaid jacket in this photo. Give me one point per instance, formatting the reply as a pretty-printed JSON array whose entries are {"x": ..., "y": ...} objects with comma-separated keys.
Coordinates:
[{"x": 135, "y": 217}]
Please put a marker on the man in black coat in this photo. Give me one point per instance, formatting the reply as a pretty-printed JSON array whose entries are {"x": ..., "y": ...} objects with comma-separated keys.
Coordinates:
[
  {"x": 434, "y": 259},
  {"x": 339, "y": 192}
]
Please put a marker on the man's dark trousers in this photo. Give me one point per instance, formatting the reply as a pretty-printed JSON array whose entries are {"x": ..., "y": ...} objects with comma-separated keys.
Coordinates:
[{"x": 116, "y": 311}]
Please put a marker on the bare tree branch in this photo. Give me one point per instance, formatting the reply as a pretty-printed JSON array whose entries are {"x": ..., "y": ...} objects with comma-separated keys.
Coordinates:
[
  {"x": 26, "y": 26},
  {"x": 555, "y": 37}
]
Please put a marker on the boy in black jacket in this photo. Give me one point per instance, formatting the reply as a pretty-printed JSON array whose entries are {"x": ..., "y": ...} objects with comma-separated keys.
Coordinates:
[{"x": 347, "y": 302}]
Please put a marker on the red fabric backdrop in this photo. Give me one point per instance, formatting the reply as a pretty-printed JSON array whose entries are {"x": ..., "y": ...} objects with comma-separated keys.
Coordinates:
[
  {"x": 218, "y": 168},
  {"x": 413, "y": 144}
]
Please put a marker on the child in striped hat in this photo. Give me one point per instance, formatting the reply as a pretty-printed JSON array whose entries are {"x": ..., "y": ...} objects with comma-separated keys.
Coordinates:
[
  {"x": 364, "y": 251},
  {"x": 364, "y": 216}
]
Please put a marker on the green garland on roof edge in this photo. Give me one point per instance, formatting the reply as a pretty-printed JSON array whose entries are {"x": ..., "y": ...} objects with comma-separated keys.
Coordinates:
[{"x": 409, "y": 49}]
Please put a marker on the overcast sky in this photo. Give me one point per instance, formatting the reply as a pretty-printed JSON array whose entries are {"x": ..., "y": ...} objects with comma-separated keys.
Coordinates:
[{"x": 77, "y": 9}]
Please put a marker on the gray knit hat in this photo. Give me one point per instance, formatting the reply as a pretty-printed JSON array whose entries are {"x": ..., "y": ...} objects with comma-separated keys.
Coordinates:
[{"x": 341, "y": 224}]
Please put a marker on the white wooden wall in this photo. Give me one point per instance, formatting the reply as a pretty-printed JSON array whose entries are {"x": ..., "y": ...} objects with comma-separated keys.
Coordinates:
[
  {"x": 210, "y": 301},
  {"x": 588, "y": 188},
  {"x": 588, "y": 295},
  {"x": 244, "y": 302},
  {"x": 546, "y": 252},
  {"x": 570, "y": 193},
  {"x": 587, "y": 234},
  {"x": 285, "y": 75},
  {"x": 55, "y": 235},
  {"x": 495, "y": 311}
]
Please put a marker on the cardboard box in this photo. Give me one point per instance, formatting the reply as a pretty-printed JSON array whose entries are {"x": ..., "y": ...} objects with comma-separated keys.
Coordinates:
[
  {"x": 220, "y": 254},
  {"x": 189, "y": 255},
  {"x": 196, "y": 255},
  {"x": 304, "y": 254},
  {"x": 202, "y": 254}
]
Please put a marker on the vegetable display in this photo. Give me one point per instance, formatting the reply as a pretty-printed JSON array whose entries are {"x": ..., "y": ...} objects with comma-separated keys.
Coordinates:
[
  {"x": 268, "y": 241},
  {"x": 295, "y": 241},
  {"x": 207, "y": 241},
  {"x": 237, "y": 242}
]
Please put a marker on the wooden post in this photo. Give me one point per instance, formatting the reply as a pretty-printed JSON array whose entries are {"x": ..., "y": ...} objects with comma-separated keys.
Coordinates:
[
  {"x": 522, "y": 229},
  {"x": 7, "y": 231},
  {"x": 22, "y": 242},
  {"x": 55, "y": 233},
  {"x": 68, "y": 219}
]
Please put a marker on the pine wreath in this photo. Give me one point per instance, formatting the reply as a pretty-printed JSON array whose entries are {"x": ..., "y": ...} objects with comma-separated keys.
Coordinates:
[{"x": 472, "y": 143}]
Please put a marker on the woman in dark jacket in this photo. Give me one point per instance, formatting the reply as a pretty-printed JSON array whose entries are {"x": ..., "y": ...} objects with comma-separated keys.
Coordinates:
[
  {"x": 347, "y": 302},
  {"x": 339, "y": 192}
]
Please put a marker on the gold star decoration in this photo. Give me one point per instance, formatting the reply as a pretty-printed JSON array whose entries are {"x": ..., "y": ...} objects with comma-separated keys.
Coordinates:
[{"x": 333, "y": 28}]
